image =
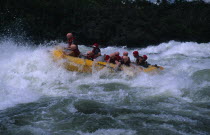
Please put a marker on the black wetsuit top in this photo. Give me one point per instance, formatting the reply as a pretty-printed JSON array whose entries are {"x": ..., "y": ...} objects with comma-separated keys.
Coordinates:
[
  {"x": 112, "y": 61},
  {"x": 126, "y": 63},
  {"x": 96, "y": 51}
]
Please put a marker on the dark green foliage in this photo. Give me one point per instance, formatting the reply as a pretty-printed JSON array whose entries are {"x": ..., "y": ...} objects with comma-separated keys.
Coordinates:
[{"x": 109, "y": 22}]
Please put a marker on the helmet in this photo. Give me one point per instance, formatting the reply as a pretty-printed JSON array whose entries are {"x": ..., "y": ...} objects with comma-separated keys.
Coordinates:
[
  {"x": 95, "y": 45},
  {"x": 135, "y": 53},
  {"x": 145, "y": 57}
]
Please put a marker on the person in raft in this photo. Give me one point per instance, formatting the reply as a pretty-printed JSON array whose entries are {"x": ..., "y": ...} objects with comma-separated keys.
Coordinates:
[
  {"x": 74, "y": 51},
  {"x": 140, "y": 60},
  {"x": 96, "y": 50},
  {"x": 113, "y": 59},
  {"x": 125, "y": 61},
  {"x": 144, "y": 61},
  {"x": 125, "y": 53},
  {"x": 70, "y": 40},
  {"x": 117, "y": 55}
]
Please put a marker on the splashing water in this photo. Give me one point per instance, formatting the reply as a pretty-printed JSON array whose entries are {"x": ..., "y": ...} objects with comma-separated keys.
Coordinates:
[{"x": 40, "y": 97}]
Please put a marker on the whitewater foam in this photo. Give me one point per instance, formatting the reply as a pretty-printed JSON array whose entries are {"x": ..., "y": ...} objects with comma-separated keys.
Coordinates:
[{"x": 28, "y": 73}]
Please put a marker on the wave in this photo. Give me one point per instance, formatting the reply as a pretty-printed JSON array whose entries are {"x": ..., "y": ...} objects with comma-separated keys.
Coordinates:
[{"x": 28, "y": 73}]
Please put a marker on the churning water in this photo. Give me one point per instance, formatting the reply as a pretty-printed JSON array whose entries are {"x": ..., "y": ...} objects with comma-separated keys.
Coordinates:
[{"x": 41, "y": 98}]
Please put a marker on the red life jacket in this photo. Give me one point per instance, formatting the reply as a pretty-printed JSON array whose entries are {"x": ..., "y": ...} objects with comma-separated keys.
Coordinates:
[
  {"x": 118, "y": 58},
  {"x": 106, "y": 58},
  {"x": 112, "y": 60},
  {"x": 76, "y": 53},
  {"x": 71, "y": 40}
]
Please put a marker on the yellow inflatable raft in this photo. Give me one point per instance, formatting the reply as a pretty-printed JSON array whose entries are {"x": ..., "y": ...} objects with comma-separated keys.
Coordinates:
[{"x": 89, "y": 66}]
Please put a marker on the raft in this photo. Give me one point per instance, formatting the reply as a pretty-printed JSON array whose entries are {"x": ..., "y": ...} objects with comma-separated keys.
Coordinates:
[{"x": 88, "y": 66}]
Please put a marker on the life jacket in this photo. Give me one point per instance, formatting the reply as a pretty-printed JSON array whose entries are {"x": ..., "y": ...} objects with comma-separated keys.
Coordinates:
[
  {"x": 111, "y": 60},
  {"x": 125, "y": 63},
  {"x": 76, "y": 53},
  {"x": 118, "y": 58},
  {"x": 106, "y": 58},
  {"x": 144, "y": 63},
  {"x": 71, "y": 41},
  {"x": 96, "y": 51}
]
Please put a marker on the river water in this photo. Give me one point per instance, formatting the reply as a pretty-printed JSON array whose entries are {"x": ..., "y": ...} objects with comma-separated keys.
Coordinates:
[{"x": 38, "y": 97}]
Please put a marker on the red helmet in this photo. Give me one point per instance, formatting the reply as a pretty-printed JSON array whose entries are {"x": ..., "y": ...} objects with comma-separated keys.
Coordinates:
[
  {"x": 135, "y": 53},
  {"x": 145, "y": 57},
  {"x": 95, "y": 45}
]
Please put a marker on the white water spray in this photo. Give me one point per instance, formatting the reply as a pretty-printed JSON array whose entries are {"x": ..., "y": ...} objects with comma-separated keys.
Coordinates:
[{"x": 28, "y": 73}]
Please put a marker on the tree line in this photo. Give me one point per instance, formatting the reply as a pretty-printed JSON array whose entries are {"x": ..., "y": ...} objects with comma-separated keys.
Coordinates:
[{"x": 135, "y": 23}]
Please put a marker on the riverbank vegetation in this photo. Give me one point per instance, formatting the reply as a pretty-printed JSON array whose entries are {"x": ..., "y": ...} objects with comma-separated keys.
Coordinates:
[{"x": 108, "y": 22}]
